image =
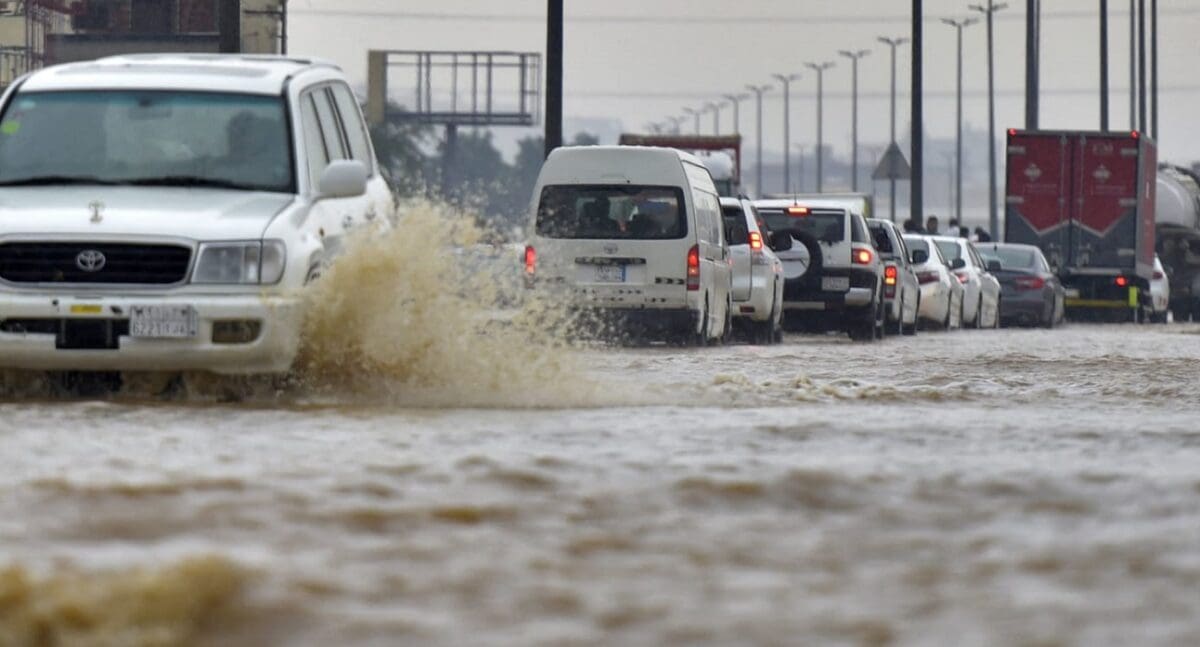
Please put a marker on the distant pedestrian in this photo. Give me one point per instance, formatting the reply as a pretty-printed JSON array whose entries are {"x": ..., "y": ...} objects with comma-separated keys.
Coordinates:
[
  {"x": 982, "y": 236},
  {"x": 913, "y": 226},
  {"x": 952, "y": 228},
  {"x": 931, "y": 226}
]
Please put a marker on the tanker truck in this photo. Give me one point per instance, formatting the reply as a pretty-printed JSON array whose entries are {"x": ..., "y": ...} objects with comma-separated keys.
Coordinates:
[{"x": 1177, "y": 233}]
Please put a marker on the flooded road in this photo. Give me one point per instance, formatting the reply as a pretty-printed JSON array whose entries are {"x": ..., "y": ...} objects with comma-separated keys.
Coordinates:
[{"x": 971, "y": 488}]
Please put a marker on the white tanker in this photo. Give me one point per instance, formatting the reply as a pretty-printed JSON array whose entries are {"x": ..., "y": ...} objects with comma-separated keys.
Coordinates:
[{"x": 1177, "y": 231}]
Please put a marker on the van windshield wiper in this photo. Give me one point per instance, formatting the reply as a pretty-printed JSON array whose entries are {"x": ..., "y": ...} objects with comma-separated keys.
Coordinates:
[
  {"x": 193, "y": 181},
  {"x": 48, "y": 180}
]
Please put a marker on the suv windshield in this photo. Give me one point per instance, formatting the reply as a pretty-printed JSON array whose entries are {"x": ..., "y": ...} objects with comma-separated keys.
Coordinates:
[
  {"x": 169, "y": 138},
  {"x": 825, "y": 226},
  {"x": 611, "y": 212}
]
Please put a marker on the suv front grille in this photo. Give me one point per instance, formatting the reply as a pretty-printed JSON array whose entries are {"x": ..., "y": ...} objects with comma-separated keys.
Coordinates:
[{"x": 123, "y": 263}]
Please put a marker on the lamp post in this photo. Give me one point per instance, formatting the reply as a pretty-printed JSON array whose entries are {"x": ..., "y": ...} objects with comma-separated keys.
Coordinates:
[
  {"x": 958, "y": 26},
  {"x": 786, "y": 80},
  {"x": 694, "y": 114},
  {"x": 1104, "y": 65},
  {"x": 675, "y": 121},
  {"x": 990, "y": 10},
  {"x": 715, "y": 109},
  {"x": 758, "y": 91},
  {"x": 854, "y": 56},
  {"x": 893, "y": 43},
  {"x": 734, "y": 100},
  {"x": 820, "y": 68}
]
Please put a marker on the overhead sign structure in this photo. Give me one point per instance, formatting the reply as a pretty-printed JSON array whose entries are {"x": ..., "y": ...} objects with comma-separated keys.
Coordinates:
[{"x": 892, "y": 166}]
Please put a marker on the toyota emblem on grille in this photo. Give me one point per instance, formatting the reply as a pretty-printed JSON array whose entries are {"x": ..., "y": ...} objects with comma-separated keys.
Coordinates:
[{"x": 90, "y": 260}]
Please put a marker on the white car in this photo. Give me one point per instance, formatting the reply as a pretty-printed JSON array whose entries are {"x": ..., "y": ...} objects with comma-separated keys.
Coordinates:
[
  {"x": 1160, "y": 293},
  {"x": 941, "y": 293},
  {"x": 901, "y": 290},
  {"x": 757, "y": 273},
  {"x": 161, "y": 212},
  {"x": 981, "y": 290},
  {"x": 632, "y": 236}
]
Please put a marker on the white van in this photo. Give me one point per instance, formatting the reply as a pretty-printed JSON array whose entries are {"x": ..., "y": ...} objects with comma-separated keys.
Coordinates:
[{"x": 634, "y": 235}]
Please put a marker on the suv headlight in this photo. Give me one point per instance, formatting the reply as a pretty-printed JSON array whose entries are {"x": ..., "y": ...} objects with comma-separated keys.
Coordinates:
[{"x": 241, "y": 263}]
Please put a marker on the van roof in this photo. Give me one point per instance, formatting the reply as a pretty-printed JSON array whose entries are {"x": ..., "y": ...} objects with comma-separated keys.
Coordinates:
[
  {"x": 617, "y": 165},
  {"x": 202, "y": 72}
]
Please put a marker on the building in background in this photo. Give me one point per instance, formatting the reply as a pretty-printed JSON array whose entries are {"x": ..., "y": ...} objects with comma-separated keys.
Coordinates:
[{"x": 36, "y": 33}]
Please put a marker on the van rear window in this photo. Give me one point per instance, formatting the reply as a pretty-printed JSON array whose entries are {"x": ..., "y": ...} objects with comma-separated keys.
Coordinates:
[
  {"x": 611, "y": 212},
  {"x": 825, "y": 226}
]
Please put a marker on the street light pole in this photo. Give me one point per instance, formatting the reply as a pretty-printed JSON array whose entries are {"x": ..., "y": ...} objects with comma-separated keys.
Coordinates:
[
  {"x": 675, "y": 121},
  {"x": 854, "y": 56},
  {"x": 758, "y": 91},
  {"x": 1104, "y": 65},
  {"x": 695, "y": 115},
  {"x": 734, "y": 100},
  {"x": 993, "y": 217},
  {"x": 893, "y": 43},
  {"x": 820, "y": 68},
  {"x": 786, "y": 80},
  {"x": 958, "y": 26},
  {"x": 715, "y": 108}
]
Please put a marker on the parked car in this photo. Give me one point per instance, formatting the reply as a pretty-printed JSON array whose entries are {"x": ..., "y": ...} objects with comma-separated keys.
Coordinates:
[
  {"x": 833, "y": 278},
  {"x": 941, "y": 293},
  {"x": 757, "y": 273},
  {"x": 1031, "y": 294},
  {"x": 981, "y": 290},
  {"x": 1160, "y": 293},
  {"x": 160, "y": 212},
  {"x": 901, "y": 290},
  {"x": 633, "y": 236}
]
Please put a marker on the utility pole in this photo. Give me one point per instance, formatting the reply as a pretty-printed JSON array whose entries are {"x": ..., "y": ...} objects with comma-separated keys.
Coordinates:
[
  {"x": 1033, "y": 35},
  {"x": 1104, "y": 65},
  {"x": 820, "y": 68},
  {"x": 786, "y": 80},
  {"x": 1154, "y": 69},
  {"x": 695, "y": 115},
  {"x": 715, "y": 108},
  {"x": 734, "y": 100},
  {"x": 1141, "y": 65},
  {"x": 917, "y": 184},
  {"x": 893, "y": 43},
  {"x": 993, "y": 217},
  {"x": 758, "y": 91},
  {"x": 1132, "y": 66},
  {"x": 958, "y": 26},
  {"x": 554, "y": 74},
  {"x": 854, "y": 56},
  {"x": 675, "y": 121}
]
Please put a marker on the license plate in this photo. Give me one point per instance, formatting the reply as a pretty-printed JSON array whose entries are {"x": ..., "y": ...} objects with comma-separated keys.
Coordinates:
[
  {"x": 1072, "y": 293},
  {"x": 162, "y": 322},
  {"x": 835, "y": 283},
  {"x": 610, "y": 273}
]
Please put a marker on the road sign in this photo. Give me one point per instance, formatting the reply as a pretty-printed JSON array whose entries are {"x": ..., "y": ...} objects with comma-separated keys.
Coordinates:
[{"x": 892, "y": 166}]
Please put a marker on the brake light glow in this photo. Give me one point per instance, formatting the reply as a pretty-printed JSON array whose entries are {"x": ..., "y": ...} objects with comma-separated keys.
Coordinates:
[
  {"x": 927, "y": 277},
  {"x": 756, "y": 243},
  {"x": 693, "y": 268},
  {"x": 1135, "y": 134},
  {"x": 530, "y": 260},
  {"x": 861, "y": 256},
  {"x": 889, "y": 275},
  {"x": 797, "y": 211},
  {"x": 1029, "y": 282},
  {"x": 1012, "y": 131},
  {"x": 1122, "y": 281}
]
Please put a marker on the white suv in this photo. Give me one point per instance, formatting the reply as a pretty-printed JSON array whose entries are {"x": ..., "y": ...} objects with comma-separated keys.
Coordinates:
[{"x": 161, "y": 212}]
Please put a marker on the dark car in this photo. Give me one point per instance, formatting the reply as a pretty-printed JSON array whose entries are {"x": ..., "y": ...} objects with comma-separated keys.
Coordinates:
[{"x": 1030, "y": 294}]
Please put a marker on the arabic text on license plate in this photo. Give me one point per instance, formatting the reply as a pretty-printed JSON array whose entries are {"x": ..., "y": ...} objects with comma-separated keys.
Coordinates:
[
  {"x": 162, "y": 322},
  {"x": 610, "y": 273},
  {"x": 835, "y": 283}
]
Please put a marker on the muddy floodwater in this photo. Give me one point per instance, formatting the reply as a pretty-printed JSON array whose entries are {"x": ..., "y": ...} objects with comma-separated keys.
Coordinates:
[{"x": 1024, "y": 487}]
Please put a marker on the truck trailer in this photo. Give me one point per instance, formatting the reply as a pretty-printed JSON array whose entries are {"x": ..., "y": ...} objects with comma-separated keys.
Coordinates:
[{"x": 1087, "y": 200}]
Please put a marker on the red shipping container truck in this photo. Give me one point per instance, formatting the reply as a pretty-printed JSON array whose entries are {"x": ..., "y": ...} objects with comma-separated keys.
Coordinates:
[{"x": 1087, "y": 200}]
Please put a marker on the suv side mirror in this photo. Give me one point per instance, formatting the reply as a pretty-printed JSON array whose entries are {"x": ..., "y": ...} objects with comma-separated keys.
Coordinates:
[
  {"x": 342, "y": 179},
  {"x": 781, "y": 241},
  {"x": 994, "y": 266},
  {"x": 958, "y": 264},
  {"x": 919, "y": 256}
]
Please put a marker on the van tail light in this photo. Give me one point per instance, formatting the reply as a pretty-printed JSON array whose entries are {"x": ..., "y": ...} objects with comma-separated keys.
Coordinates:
[
  {"x": 927, "y": 277},
  {"x": 861, "y": 255},
  {"x": 890, "y": 273},
  {"x": 1158, "y": 276},
  {"x": 1122, "y": 281},
  {"x": 693, "y": 268},
  {"x": 530, "y": 260},
  {"x": 1029, "y": 282}
]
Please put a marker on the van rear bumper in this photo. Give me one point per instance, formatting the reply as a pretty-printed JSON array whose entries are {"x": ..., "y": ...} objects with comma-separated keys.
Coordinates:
[{"x": 636, "y": 322}]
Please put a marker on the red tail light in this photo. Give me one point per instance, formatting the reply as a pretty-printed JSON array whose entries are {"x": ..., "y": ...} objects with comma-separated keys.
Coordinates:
[
  {"x": 1029, "y": 282},
  {"x": 797, "y": 211},
  {"x": 1158, "y": 275},
  {"x": 927, "y": 277},
  {"x": 756, "y": 243},
  {"x": 1122, "y": 281},
  {"x": 861, "y": 256},
  {"x": 889, "y": 275},
  {"x": 530, "y": 260},
  {"x": 693, "y": 268}
]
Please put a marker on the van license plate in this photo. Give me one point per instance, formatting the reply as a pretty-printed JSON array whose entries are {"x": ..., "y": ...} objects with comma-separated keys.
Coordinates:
[
  {"x": 610, "y": 273},
  {"x": 835, "y": 283},
  {"x": 162, "y": 322}
]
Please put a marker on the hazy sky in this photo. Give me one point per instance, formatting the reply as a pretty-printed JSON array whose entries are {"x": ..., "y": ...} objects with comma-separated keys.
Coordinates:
[{"x": 643, "y": 60}]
